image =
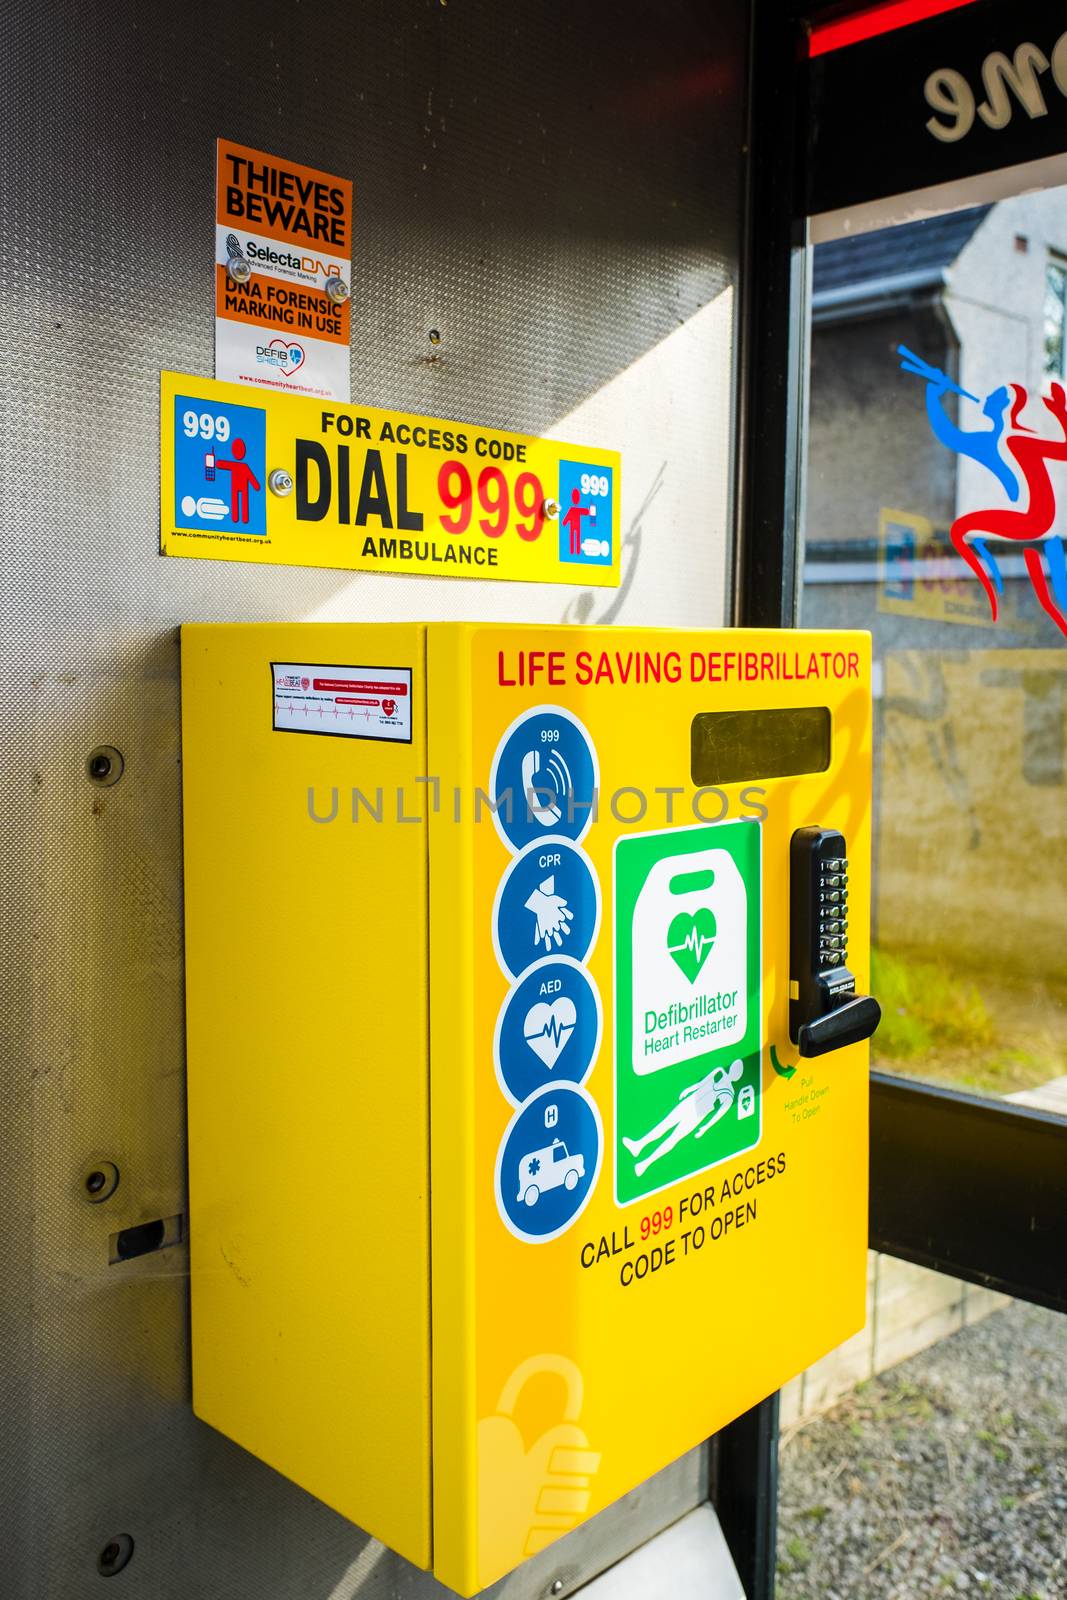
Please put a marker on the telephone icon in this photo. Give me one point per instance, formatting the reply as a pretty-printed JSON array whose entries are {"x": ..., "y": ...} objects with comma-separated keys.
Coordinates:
[{"x": 544, "y": 788}]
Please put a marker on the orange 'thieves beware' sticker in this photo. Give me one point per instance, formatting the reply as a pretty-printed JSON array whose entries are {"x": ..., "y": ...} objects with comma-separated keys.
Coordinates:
[{"x": 283, "y": 263}]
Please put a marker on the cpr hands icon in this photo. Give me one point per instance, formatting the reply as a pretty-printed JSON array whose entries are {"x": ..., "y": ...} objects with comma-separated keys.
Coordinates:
[
  {"x": 547, "y": 903},
  {"x": 550, "y": 910}
]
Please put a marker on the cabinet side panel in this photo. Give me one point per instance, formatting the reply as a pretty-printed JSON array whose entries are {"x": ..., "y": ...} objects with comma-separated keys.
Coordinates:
[
  {"x": 452, "y": 1069},
  {"x": 308, "y": 1092}
]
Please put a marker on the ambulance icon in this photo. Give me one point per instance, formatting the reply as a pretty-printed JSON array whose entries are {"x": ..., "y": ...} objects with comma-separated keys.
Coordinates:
[
  {"x": 548, "y": 1169},
  {"x": 548, "y": 1162}
]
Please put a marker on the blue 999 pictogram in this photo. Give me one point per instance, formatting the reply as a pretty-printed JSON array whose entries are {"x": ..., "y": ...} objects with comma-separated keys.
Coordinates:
[
  {"x": 586, "y": 513},
  {"x": 220, "y": 467}
]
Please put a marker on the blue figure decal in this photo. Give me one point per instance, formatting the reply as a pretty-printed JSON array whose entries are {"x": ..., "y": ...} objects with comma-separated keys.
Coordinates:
[
  {"x": 981, "y": 444},
  {"x": 1026, "y": 463}
]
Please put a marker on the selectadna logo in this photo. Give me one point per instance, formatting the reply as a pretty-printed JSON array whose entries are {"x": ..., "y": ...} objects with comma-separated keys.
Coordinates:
[
  {"x": 1018, "y": 457},
  {"x": 240, "y": 259}
]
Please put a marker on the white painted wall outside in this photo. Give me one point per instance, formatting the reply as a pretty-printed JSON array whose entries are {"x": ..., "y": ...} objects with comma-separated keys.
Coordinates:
[{"x": 995, "y": 298}]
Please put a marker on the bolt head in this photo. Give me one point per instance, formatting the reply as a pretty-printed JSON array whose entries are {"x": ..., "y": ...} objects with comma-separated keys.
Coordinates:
[
  {"x": 239, "y": 269},
  {"x": 550, "y": 510},
  {"x": 100, "y": 1182},
  {"x": 337, "y": 290},
  {"x": 104, "y": 766},
  {"x": 115, "y": 1555},
  {"x": 280, "y": 483}
]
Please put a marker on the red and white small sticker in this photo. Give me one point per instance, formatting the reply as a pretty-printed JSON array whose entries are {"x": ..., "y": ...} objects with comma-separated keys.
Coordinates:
[{"x": 346, "y": 702}]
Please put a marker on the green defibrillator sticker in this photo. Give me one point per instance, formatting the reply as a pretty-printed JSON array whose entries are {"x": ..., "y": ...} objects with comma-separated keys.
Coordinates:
[{"x": 688, "y": 1002}]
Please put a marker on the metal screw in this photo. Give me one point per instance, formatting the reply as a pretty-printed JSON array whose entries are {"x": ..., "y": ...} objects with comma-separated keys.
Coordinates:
[
  {"x": 101, "y": 1181},
  {"x": 114, "y": 1556},
  {"x": 557, "y": 1587},
  {"x": 279, "y": 482},
  {"x": 550, "y": 510},
  {"x": 104, "y": 765},
  {"x": 239, "y": 269},
  {"x": 434, "y": 336},
  {"x": 337, "y": 290}
]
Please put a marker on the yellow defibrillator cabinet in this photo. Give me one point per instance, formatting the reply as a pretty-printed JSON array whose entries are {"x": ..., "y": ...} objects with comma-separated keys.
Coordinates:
[{"x": 527, "y": 999}]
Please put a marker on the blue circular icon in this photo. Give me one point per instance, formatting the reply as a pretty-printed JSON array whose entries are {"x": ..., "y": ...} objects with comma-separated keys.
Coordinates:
[
  {"x": 548, "y": 1030},
  {"x": 544, "y": 778},
  {"x": 548, "y": 1162},
  {"x": 548, "y": 903}
]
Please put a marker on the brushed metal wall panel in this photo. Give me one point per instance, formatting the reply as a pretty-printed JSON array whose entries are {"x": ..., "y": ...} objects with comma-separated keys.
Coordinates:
[{"x": 556, "y": 189}]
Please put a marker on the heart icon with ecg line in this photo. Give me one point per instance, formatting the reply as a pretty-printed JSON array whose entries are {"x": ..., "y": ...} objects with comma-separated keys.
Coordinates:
[
  {"x": 291, "y": 356},
  {"x": 548, "y": 1027},
  {"x": 689, "y": 940}
]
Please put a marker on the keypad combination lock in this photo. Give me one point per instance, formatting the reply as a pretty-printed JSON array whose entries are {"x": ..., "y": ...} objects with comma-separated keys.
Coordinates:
[{"x": 825, "y": 1012}]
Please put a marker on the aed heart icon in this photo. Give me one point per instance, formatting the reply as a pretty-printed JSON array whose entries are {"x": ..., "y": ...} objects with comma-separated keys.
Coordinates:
[
  {"x": 547, "y": 1028},
  {"x": 689, "y": 940},
  {"x": 288, "y": 356}
]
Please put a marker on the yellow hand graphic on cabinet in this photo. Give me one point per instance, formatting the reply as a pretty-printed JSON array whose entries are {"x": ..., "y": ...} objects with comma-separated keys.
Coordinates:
[{"x": 530, "y": 1497}]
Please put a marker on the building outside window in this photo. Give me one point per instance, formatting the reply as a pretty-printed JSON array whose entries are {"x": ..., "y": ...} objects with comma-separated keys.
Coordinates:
[{"x": 1055, "y": 316}]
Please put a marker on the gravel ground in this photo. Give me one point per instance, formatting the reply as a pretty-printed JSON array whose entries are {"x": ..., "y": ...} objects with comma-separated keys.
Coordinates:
[{"x": 946, "y": 1474}]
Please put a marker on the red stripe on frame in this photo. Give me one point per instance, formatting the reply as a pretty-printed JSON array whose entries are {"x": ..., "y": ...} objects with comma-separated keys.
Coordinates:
[{"x": 873, "y": 20}]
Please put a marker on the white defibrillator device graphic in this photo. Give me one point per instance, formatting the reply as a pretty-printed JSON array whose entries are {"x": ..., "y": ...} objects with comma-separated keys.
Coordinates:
[{"x": 689, "y": 960}]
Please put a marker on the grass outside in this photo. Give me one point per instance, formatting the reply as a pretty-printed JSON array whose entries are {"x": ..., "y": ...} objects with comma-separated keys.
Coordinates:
[{"x": 993, "y": 1034}]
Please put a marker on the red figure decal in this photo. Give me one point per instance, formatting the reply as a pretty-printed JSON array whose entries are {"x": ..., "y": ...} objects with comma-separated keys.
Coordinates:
[
  {"x": 241, "y": 478},
  {"x": 573, "y": 521},
  {"x": 1032, "y": 454}
]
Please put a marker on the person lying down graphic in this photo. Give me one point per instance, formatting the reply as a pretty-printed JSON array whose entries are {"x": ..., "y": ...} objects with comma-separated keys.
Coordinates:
[{"x": 699, "y": 1108}]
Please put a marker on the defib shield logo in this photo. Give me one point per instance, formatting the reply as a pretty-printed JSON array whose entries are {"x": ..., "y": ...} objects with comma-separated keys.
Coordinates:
[{"x": 688, "y": 1004}]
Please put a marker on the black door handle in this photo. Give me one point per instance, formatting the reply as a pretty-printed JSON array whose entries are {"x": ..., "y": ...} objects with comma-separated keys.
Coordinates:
[{"x": 848, "y": 1023}]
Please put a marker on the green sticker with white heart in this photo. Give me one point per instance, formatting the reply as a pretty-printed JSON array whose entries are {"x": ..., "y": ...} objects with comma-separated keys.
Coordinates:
[{"x": 688, "y": 1002}]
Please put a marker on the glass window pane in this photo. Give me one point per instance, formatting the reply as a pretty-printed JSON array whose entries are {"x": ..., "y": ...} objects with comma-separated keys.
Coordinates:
[{"x": 936, "y": 509}]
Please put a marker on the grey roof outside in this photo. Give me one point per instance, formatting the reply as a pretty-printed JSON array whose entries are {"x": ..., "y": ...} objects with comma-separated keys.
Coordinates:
[{"x": 911, "y": 249}]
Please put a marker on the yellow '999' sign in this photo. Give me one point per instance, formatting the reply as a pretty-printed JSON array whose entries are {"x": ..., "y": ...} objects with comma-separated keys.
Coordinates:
[{"x": 248, "y": 475}]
